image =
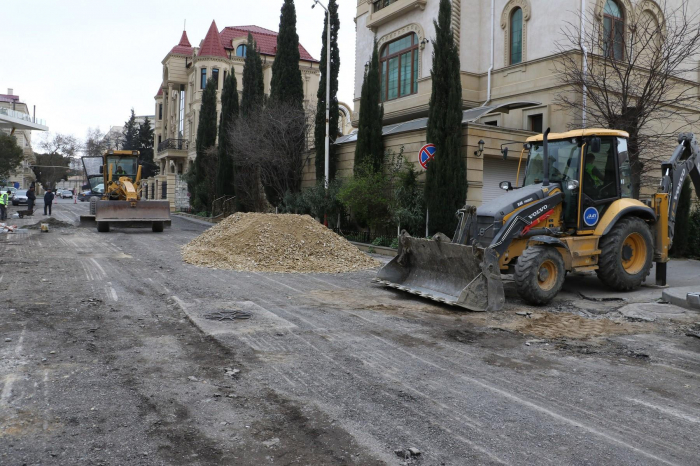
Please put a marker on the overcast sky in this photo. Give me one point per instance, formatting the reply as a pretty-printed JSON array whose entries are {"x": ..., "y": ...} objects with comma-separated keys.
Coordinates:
[{"x": 87, "y": 63}]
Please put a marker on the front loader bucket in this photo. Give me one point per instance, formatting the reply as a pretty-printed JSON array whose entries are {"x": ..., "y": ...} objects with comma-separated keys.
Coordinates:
[
  {"x": 137, "y": 212},
  {"x": 450, "y": 273}
]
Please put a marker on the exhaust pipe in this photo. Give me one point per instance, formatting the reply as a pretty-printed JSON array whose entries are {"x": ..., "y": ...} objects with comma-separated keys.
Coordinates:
[{"x": 545, "y": 158}]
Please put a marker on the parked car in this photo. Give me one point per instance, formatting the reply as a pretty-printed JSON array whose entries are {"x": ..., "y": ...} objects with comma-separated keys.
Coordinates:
[
  {"x": 20, "y": 197},
  {"x": 12, "y": 190},
  {"x": 65, "y": 194},
  {"x": 86, "y": 195}
]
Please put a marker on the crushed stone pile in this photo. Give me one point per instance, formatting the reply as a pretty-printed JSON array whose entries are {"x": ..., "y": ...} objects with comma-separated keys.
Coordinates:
[{"x": 275, "y": 243}]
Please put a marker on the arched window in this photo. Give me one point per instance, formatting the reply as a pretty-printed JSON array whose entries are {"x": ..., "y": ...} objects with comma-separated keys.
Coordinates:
[
  {"x": 516, "y": 36},
  {"x": 613, "y": 31},
  {"x": 241, "y": 50},
  {"x": 399, "y": 63}
]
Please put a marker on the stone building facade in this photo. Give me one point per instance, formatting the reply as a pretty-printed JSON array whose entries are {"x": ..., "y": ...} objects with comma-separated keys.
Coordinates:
[{"x": 508, "y": 53}]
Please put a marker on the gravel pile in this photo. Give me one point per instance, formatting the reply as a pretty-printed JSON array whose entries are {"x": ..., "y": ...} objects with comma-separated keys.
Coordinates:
[{"x": 275, "y": 243}]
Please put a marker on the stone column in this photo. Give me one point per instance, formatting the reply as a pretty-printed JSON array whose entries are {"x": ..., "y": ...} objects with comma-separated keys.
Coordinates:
[{"x": 171, "y": 180}]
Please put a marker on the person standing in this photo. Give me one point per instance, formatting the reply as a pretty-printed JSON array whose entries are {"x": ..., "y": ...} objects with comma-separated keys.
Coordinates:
[
  {"x": 48, "y": 201},
  {"x": 31, "y": 198},
  {"x": 3, "y": 205}
]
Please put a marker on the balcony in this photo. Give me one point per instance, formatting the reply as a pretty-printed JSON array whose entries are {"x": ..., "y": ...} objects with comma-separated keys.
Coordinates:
[
  {"x": 174, "y": 145},
  {"x": 13, "y": 119},
  {"x": 384, "y": 11}
]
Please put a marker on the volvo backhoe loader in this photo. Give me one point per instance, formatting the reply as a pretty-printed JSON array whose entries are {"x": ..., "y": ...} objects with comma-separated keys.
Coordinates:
[
  {"x": 574, "y": 213},
  {"x": 116, "y": 179}
]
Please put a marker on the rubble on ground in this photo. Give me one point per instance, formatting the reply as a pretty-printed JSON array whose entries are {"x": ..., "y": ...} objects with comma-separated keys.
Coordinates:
[{"x": 275, "y": 243}]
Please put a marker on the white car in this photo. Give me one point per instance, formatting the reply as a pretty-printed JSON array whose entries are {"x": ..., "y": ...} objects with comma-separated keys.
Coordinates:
[{"x": 65, "y": 194}]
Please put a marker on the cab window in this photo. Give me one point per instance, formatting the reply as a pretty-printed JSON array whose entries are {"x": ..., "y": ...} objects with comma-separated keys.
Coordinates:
[
  {"x": 625, "y": 169},
  {"x": 563, "y": 162},
  {"x": 122, "y": 166},
  {"x": 599, "y": 171}
]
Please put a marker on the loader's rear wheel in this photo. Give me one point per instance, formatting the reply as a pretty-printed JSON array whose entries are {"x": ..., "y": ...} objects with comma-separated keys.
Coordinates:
[
  {"x": 93, "y": 205},
  {"x": 625, "y": 255},
  {"x": 539, "y": 274},
  {"x": 103, "y": 227},
  {"x": 157, "y": 227}
]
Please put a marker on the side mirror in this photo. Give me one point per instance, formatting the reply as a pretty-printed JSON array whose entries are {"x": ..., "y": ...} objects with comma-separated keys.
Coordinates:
[
  {"x": 595, "y": 145},
  {"x": 505, "y": 185},
  {"x": 504, "y": 151}
]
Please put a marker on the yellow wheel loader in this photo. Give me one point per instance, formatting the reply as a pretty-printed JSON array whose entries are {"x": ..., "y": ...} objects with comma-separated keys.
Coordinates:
[
  {"x": 115, "y": 182},
  {"x": 573, "y": 213}
]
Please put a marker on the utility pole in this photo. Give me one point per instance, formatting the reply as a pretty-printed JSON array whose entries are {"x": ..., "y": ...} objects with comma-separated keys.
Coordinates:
[{"x": 328, "y": 90}]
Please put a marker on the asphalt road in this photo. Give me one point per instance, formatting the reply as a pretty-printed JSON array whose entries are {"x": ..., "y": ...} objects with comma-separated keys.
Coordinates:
[{"x": 111, "y": 360}]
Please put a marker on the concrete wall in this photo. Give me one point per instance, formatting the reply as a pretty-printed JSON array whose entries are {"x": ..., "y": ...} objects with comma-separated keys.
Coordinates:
[{"x": 412, "y": 142}]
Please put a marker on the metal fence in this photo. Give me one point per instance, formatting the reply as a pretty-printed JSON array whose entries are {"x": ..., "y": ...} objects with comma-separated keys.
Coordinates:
[{"x": 367, "y": 238}]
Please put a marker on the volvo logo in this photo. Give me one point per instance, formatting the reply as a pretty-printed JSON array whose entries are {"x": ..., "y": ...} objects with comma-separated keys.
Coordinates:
[
  {"x": 590, "y": 216},
  {"x": 537, "y": 213}
]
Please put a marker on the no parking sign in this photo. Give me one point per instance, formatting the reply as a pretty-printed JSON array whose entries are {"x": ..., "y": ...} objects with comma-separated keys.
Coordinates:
[{"x": 426, "y": 154}]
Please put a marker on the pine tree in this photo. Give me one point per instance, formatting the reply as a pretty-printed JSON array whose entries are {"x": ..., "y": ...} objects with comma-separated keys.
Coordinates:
[
  {"x": 229, "y": 115},
  {"x": 253, "y": 87},
  {"x": 205, "y": 164},
  {"x": 370, "y": 146},
  {"x": 287, "y": 86},
  {"x": 130, "y": 133},
  {"x": 146, "y": 150},
  {"x": 446, "y": 180},
  {"x": 320, "y": 129}
]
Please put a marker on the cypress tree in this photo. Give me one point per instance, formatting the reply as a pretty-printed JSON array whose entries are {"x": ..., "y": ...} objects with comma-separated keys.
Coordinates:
[
  {"x": 446, "y": 180},
  {"x": 229, "y": 115},
  {"x": 370, "y": 147},
  {"x": 320, "y": 128},
  {"x": 206, "y": 139},
  {"x": 253, "y": 87},
  {"x": 130, "y": 133},
  {"x": 286, "y": 85},
  {"x": 146, "y": 149}
]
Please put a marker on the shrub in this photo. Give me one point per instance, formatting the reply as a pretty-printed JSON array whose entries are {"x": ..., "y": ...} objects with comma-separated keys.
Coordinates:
[{"x": 366, "y": 196}]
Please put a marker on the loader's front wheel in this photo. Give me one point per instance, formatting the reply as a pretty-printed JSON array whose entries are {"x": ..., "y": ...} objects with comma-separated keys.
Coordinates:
[
  {"x": 539, "y": 274},
  {"x": 103, "y": 227},
  {"x": 625, "y": 254}
]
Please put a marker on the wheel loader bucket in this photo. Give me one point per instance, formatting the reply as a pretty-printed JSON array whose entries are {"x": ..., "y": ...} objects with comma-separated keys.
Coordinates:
[
  {"x": 449, "y": 273},
  {"x": 125, "y": 212}
]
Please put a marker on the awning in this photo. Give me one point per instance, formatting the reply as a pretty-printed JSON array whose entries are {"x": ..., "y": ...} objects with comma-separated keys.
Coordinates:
[{"x": 468, "y": 116}]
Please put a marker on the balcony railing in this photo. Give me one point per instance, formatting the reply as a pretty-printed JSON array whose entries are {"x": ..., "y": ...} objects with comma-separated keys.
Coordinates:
[
  {"x": 21, "y": 116},
  {"x": 173, "y": 144},
  {"x": 379, "y": 4}
]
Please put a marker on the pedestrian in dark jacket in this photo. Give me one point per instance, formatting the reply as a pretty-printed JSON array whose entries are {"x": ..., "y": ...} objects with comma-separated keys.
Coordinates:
[
  {"x": 31, "y": 198},
  {"x": 48, "y": 200}
]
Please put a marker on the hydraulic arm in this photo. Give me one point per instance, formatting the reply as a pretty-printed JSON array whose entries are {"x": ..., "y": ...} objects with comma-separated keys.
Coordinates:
[{"x": 684, "y": 162}]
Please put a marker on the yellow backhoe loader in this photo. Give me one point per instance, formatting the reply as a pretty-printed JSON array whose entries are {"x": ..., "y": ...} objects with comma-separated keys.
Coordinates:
[
  {"x": 115, "y": 182},
  {"x": 574, "y": 213}
]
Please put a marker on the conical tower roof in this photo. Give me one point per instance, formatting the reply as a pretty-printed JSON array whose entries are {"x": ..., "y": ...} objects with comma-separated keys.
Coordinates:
[
  {"x": 212, "y": 46},
  {"x": 184, "y": 47}
]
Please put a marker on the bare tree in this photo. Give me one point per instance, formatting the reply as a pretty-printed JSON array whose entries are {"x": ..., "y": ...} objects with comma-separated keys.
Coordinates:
[
  {"x": 54, "y": 164},
  {"x": 95, "y": 143},
  {"x": 639, "y": 75},
  {"x": 269, "y": 149}
]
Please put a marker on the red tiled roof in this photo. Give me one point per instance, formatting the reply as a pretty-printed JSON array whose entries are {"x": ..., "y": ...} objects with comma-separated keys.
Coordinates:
[
  {"x": 184, "y": 47},
  {"x": 160, "y": 92},
  {"x": 266, "y": 40},
  {"x": 212, "y": 47}
]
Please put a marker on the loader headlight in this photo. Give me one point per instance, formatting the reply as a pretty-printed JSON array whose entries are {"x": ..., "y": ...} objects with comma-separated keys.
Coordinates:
[
  {"x": 505, "y": 185},
  {"x": 571, "y": 185}
]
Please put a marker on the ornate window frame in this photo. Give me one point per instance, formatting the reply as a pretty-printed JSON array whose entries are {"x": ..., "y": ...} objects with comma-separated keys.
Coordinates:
[
  {"x": 413, "y": 27},
  {"x": 505, "y": 25},
  {"x": 415, "y": 74}
]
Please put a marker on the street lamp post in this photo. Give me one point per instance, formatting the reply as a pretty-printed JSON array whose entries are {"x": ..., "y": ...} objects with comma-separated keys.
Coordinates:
[{"x": 328, "y": 91}]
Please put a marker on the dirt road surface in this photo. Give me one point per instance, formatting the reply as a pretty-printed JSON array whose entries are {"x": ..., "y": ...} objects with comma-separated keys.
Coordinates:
[{"x": 109, "y": 355}]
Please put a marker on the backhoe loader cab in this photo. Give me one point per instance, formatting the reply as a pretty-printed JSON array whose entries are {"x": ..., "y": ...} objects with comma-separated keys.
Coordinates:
[
  {"x": 117, "y": 177},
  {"x": 574, "y": 213}
]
